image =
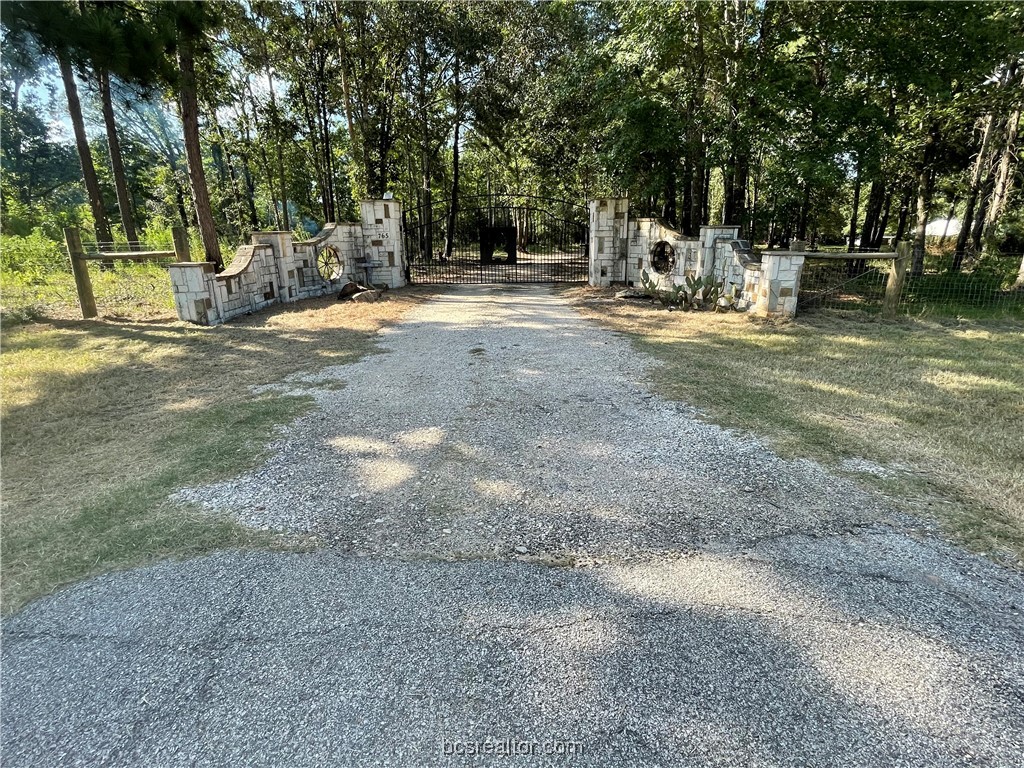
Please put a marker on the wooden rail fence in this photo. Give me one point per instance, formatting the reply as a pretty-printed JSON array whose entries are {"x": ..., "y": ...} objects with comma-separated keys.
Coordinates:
[{"x": 80, "y": 262}]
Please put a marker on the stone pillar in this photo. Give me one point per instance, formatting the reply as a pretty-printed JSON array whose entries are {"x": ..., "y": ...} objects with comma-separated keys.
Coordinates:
[
  {"x": 284, "y": 254},
  {"x": 779, "y": 284},
  {"x": 607, "y": 246},
  {"x": 708, "y": 235},
  {"x": 194, "y": 298},
  {"x": 382, "y": 242}
]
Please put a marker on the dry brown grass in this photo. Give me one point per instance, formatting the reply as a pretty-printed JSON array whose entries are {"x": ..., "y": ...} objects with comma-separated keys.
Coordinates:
[
  {"x": 103, "y": 419},
  {"x": 942, "y": 404}
]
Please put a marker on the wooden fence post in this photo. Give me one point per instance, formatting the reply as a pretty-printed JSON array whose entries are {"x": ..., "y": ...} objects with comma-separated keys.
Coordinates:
[
  {"x": 80, "y": 267},
  {"x": 897, "y": 276},
  {"x": 182, "y": 249}
]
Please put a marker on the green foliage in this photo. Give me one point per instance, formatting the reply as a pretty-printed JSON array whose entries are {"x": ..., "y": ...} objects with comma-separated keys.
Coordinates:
[
  {"x": 31, "y": 258},
  {"x": 694, "y": 293},
  {"x": 37, "y": 281},
  {"x": 766, "y": 115},
  {"x": 1008, "y": 235}
]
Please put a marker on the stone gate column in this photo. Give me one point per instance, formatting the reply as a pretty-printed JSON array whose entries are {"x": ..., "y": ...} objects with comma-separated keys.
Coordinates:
[
  {"x": 382, "y": 241},
  {"x": 779, "y": 286},
  {"x": 608, "y": 240}
]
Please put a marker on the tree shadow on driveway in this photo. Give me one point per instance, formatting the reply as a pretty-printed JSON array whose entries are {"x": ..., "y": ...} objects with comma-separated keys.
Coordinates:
[{"x": 329, "y": 659}]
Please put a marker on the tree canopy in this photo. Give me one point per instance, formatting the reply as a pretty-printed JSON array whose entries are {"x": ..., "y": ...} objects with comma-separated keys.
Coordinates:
[{"x": 843, "y": 122}]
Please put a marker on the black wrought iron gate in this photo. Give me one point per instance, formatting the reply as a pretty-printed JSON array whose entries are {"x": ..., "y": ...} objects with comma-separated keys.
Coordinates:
[{"x": 496, "y": 239}]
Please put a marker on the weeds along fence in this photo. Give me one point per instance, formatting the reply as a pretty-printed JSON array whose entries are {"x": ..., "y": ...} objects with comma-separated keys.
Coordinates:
[
  {"x": 127, "y": 279},
  {"x": 862, "y": 282}
]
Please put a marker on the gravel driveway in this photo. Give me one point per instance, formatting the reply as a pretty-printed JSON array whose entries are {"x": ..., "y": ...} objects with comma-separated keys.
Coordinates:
[{"x": 524, "y": 544}]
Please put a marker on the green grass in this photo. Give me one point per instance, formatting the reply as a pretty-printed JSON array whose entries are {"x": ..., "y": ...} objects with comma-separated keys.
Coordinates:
[
  {"x": 941, "y": 403},
  {"x": 134, "y": 522},
  {"x": 102, "y": 421},
  {"x": 126, "y": 291}
]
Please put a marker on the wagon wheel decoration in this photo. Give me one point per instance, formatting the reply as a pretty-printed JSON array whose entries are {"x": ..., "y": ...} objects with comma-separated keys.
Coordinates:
[{"x": 328, "y": 263}]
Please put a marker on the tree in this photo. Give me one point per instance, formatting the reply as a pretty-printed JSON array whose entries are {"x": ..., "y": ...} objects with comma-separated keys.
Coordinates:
[
  {"x": 124, "y": 204},
  {"x": 192, "y": 20},
  {"x": 39, "y": 177},
  {"x": 54, "y": 29}
]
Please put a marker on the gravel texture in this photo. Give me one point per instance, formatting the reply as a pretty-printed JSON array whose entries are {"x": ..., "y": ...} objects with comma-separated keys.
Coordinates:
[
  {"x": 499, "y": 419},
  {"x": 526, "y": 544}
]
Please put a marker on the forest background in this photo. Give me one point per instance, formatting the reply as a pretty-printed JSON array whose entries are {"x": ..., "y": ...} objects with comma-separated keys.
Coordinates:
[{"x": 844, "y": 124}]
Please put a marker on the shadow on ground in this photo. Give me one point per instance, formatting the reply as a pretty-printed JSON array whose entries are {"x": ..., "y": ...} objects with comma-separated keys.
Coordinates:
[{"x": 526, "y": 544}]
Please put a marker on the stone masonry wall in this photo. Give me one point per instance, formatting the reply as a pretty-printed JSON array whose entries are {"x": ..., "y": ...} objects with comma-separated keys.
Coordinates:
[
  {"x": 382, "y": 241},
  {"x": 730, "y": 271},
  {"x": 274, "y": 269},
  {"x": 621, "y": 249},
  {"x": 192, "y": 285},
  {"x": 779, "y": 285},
  {"x": 711, "y": 254},
  {"x": 644, "y": 234},
  {"x": 608, "y": 231}
]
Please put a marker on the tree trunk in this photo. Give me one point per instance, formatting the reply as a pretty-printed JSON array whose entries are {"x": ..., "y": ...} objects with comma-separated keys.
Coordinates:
[
  {"x": 851, "y": 245},
  {"x": 668, "y": 210},
  {"x": 803, "y": 219},
  {"x": 738, "y": 207},
  {"x": 250, "y": 196},
  {"x": 871, "y": 213},
  {"x": 278, "y": 135},
  {"x": 924, "y": 199},
  {"x": 727, "y": 196},
  {"x": 16, "y": 137},
  {"x": 972, "y": 196},
  {"x": 179, "y": 199},
  {"x": 924, "y": 196},
  {"x": 949, "y": 218},
  {"x": 236, "y": 190},
  {"x": 901, "y": 222},
  {"x": 687, "y": 202},
  {"x": 984, "y": 200},
  {"x": 1004, "y": 175},
  {"x": 92, "y": 185},
  {"x": 426, "y": 203},
  {"x": 697, "y": 191},
  {"x": 316, "y": 154},
  {"x": 359, "y": 173},
  {"x": 247, "y": 179},
  {"x": 261, "y": 159},
  {"x": 124, "y": 200},
  {"x": 878, "y": 234},
  {"x": 706, "y": 197},
  {"x": 190, "y": 127},
  {"x": 326, "y": 148},
  {"x": 453, "y": 203}
]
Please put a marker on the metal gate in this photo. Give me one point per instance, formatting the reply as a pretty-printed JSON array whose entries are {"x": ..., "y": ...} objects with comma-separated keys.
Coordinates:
[{"x": 496, "y": 239}]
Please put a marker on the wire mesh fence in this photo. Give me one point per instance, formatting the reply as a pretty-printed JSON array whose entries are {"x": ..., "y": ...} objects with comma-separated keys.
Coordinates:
[
  {"x": 841, "y": 282},
  {"x": 36, "y": 279}
]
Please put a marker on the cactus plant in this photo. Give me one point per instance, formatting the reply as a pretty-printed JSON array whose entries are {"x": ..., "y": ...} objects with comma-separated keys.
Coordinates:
[{"x": 693, "y": 293}]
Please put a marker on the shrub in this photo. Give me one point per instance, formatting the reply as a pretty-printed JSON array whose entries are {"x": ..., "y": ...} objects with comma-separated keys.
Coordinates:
[{"x": 32, "y": 257}]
